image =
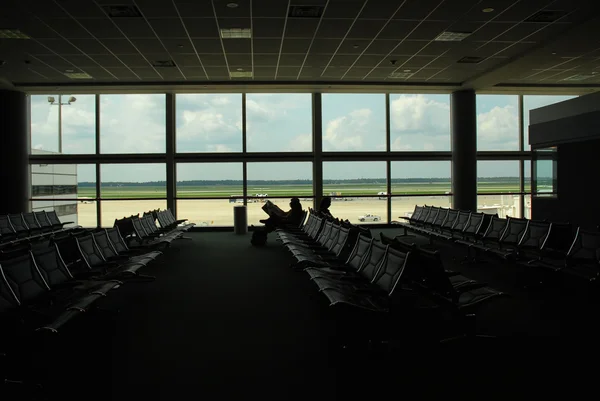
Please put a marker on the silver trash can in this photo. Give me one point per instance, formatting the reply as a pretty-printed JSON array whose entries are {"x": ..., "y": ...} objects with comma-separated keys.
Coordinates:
[{"x": 240, "y": 220}]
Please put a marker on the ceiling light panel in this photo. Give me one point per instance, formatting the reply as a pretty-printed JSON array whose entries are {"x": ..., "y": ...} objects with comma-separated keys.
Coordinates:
[
  {"x": 236, "y": 33},
  {"x": 400, "y": 75},
  {"x": 448, "y": 36},
  {"x": 240, "y": 74},
  {"x": 579, "y": 77},
  {"x": 78, "y": 75},
  {"x": 12, "y": 34}
]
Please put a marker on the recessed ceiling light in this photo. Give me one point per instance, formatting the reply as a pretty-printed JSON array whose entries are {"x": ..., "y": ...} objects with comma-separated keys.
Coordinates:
[
  {"x": 240, "y": 69},
  {"x": 232, "y": 5},
  {"x": 554, "y": 53},
  {"x": 400, "y": 75},
  {"x": 488, "y": 10},
  {"x": 180, "y": 46},
  {"x": 448, "y": 36},
  {"x": 236, "y": 33},
  {"x": 355, "y": 46},
  {"x": 407, "y": 70},
  {"x": 69, "y": 70},
  {"x": 78, "y": 75}
]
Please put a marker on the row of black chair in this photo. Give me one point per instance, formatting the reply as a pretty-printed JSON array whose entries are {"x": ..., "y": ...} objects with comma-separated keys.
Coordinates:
[
  {"x": 23, "y": 227},
  {"x": 377, "y": 276},
  {"x": 533, "y": 243}
]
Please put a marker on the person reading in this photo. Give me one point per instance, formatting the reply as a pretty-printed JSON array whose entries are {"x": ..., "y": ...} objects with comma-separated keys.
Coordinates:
[
  {"x": 324, "y": 207},
  {"x": 278, "y": 217}
]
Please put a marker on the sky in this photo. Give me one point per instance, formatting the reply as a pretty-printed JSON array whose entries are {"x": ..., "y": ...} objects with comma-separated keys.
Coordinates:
[{"x": 135, "y": 123}]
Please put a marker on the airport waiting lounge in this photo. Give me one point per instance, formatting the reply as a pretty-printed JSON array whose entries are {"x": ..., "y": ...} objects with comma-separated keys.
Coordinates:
[{"x": 291, "y": 200}]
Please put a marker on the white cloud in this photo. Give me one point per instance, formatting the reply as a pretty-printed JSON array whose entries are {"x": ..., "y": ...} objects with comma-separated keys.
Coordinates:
[
  {"x": 420, "y": 122},
  {"x": 348, "y": 132},
  {"x": 498, "y": 129},
  {"x": 302, "y": 142}
]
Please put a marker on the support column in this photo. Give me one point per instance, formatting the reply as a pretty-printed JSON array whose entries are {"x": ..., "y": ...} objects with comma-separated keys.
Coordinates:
[
  {"x": 317, "y": 149},
  {"x": 170, "y": 150},
  {"x": 464, "y": 150},
  {"x": 14, "y": 152}
]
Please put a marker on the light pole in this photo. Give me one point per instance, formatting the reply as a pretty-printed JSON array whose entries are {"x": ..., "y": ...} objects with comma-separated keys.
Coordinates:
[{"x": 53, "y": 102}]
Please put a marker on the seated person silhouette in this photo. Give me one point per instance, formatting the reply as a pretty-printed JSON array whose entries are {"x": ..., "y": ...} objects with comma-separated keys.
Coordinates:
[
  {"x": 324, "y": 207},
  {"x": 279, "y": 218}
]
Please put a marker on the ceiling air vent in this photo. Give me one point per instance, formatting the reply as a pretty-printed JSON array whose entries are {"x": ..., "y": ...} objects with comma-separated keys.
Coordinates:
[
  {"x": 78, "y": 75},
  {"x": 240, "y": 74},
  {"x": 305, "y": 11},
  {"x": 546, "y": 16},
  {"x": 122, "y": 11},
  {"x": 471, "y": 60},
  {"x": 448, "y": 36},
  {"x": 163, "y": 63}
]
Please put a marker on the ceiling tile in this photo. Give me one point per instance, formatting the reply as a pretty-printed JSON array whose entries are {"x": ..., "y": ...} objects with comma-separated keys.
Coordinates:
[
  {"x": 381, "y": 9},
  {"x": 448, "y": 10},
  {"x": 63, "y": 47},
  {"x": 356, "y": 72},
  {"x": 134, "y": 60},
  {"x": 397, "y": 30},
  {"x": 288, "y": 71},
  {"x": 521, "y": 10},
  {"x": 83, "y": 9},
  {"x": 353, "y": 46},
  {"x": 123, "y": 73},
  {"x": 366, "y": 29},
  {"x": 106, "y": 61},
  {"x": 197, "y": 9},
  {"x": 146, "y": 73},
  {"x": 89, "y": 46},
  {"x": 168, "y": 28},
  {"x": 178, "y": 45},
  {"x": 266, "y": 72},
  {"x": 429, "y": 30},
  {"x": 99, "y": 73},
  {"x": 228, "y": 23},
  {"x": 148, "y": 45},
  {"x": 292, "y": 59},
  {"x": 208, "y": 45},
  {"x": 237, "y": 45},
  {"x": 343, "y": 8},
  {"x": 82, "y": 61},
  {"x": 201, "y": 27},
  {"x": 239, "y": 59},
  {"x": 157, "y": 9},
  {"x": 265, "y": 60},
  {"x": 267, "y": 27},
  {"x": 101, "y": 28},
  {"x": 266, "y": 45},
  {"x": 368, "y": 60},
  {"x": 134, "y": 28},
  {"x": 295, "y": 45},
  {"x": 300, "y": 28},
  {"x": 56, "y": 62},
  {"x": 409, "y": 47},
  {"x": 193, "y": 73},
  {"x": 171, "y": 74},
  {"x": 324, "y": 46},
  {"x": 334, "y": 28},
  {"x": 119, "y": 46},
  {"x": 186, "y": 60},
  {"x": 382, "y": 47},
  {"x": 37, "y": 30},
  {"x": 67, "y": 27},
  {"x": 416, "y": 62},
  {"x": 269, "y": 8},
  {"x": 213, "y": 60},
  {"x": 343, "y": 60}
]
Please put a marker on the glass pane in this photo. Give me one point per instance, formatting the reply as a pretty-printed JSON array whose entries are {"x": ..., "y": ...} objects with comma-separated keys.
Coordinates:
[
  {"x": 531, "y": 102},
  {"x": 279, "y": 179},
  {"x": 70, "y": 189},
  {"x": 343, "y": 181},
  {"x": 497, "y": 122},
  {"x": 132, "y": 123},
  {"x": 133, "y": 181},
  {"x": 209, "y": 122},
  {"x": 207, "y": 212},
  {"x": 209, "y": 180},
  {"x": 420, "y": 122},
  {"x": 78, "y": 123},
  {"x": 498, "y": 176},
  {"x": 527, "y": 214},
  {"x": 404, "y": 206},
  {"x": 353, "y": 122},
  {"x": 44, "y": 123},
  {"x": 503, "y": 205},
  {"x": 545, "y": 172},
  {"x": 527, "y": 175},
  {"x": 426, "y": 177},
  {"x": 279, "y": 122},
  {"x": 117, "y": 209}
]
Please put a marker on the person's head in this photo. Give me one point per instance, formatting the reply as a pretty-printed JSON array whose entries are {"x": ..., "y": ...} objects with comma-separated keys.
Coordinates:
[
  {"x": 295, "y": 204},
  {"x": 325, "y": 203}
]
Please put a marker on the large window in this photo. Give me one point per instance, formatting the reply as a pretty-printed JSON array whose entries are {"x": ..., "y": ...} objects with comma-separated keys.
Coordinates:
[
  {"x": 132, "y": 123},
  {"x": 497, "y": 122},
  {"x": 531, "y": 102},
  {"x": 279, "y": 122},
  {"x": 419, "y": 122},
  {"x": 128, "y": 189},
  {"x": 200, "y": 184},
  {"x": 278, "y": 182},
  {"x": 358, "y": 190},
  {"x": 498, "y": 187},
  {"x": 353, "y": 122},
  {"x": 209, "y": 122}
]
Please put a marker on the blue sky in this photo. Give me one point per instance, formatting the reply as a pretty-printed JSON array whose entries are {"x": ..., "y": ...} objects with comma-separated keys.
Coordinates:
[{"x": 275, "y": 123}]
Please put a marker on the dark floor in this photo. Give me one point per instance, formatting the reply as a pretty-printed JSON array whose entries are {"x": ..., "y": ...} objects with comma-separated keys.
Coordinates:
[{"x": 226, "y": 320}]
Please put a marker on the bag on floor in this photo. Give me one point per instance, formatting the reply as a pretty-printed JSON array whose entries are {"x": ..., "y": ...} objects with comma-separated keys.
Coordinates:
[{"x": 259, "y": 238}]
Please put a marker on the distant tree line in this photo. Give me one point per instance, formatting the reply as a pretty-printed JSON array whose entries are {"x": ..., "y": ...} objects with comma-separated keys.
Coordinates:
[{"x": 199, "y": 183}]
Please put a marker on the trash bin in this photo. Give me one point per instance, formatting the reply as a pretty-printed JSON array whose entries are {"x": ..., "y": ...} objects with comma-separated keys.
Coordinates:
[{"x": 240, "y": 220}]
